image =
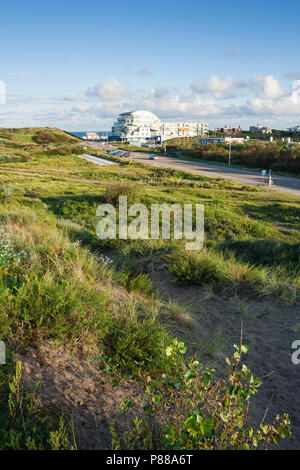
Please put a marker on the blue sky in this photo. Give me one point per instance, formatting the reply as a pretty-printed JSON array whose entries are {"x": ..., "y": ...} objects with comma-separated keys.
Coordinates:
[{"x": 77, "y": 65}]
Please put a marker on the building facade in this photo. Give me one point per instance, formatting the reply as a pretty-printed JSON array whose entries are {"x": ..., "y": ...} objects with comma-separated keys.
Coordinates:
[
  {"x": 260, "y": 129},
  {"x": 220, "y": 140},
  {"x": 230, "y": 130},
  {"x": 144, "y": 126},
  {"x": 294, "y": 129},
  {"x": 91, "y": 136}
]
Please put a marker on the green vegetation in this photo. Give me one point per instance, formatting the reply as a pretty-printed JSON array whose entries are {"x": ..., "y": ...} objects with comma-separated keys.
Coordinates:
[
  {"x": 192, "y": 411},
  {"x": 209, "y": 267},
  {"x": 24, "y": 425},
  {"x": 59, "y": 282},
  {"x": 254, "y": 154}
]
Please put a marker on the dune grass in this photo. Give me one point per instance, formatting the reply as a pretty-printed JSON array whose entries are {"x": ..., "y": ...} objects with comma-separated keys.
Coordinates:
[
  {"x": 58, "y": 281},
  {"x": 212, "y": 268}
]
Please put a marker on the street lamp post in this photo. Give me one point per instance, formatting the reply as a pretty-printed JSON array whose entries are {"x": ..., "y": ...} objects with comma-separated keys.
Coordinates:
[{"x": 229, "y": 154}]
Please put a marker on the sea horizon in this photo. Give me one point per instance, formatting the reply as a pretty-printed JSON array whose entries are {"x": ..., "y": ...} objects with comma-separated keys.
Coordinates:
[{"x": 83, "y": 133}]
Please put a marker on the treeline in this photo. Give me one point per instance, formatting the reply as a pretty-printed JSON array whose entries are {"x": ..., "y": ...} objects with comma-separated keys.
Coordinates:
[{"x": 280, "y": 157}]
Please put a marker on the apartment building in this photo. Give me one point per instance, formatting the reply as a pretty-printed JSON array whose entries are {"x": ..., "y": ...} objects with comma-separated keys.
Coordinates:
[
  {"x": 230, "y": 130},
  {"x": 294, "y": 129},
  {"x": 144, "y": 126},
  {"x": 260, "y": 129}
]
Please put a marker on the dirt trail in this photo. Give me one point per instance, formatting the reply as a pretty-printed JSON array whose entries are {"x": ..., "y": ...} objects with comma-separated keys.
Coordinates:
[
  {"x": 269, "y": 328},
  {"x": 81, "y": 391}
]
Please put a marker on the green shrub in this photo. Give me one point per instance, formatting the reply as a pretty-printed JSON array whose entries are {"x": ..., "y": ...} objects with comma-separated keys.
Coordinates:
[
  {"x": 200, "y": 268},
  {"x": 194, "y": 410},
  {"x": 113, "y": 193},
  {"x": 138, "y": 347},
  {"x": 14, "y": 158},
  {"x": 140, "y": 283},
  {"x": 46, "y": 137}
]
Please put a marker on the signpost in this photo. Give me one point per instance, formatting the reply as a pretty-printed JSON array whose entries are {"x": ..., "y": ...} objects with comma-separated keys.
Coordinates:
[{"x": 270, "y": 178}]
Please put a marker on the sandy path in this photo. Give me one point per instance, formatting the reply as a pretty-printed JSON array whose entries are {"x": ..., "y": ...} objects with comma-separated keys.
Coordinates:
[{"x": 269, "y": 328}]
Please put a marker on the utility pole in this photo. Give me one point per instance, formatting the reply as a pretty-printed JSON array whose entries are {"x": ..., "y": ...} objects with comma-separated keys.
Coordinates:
[{"x": 229, "y": 154}]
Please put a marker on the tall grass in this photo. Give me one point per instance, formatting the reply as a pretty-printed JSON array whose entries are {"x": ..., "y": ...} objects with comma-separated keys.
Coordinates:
[
  {"x": 59, "y": 290},
  {"x": 209, "y": 267}
]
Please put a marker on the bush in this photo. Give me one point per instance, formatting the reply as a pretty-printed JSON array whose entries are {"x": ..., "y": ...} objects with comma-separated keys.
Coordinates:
[
  {"x": 200, "y": 268},
  {"x": 14, "y": 158},
  {"x": 140, "y": 283},
  {"x": 138, "y": 347},
  {"x": 196, "y": 411},
  {"x": 113, "y": 193},
  {"x": 46, "y": 137},
  {"x": 65, "y": 150}
]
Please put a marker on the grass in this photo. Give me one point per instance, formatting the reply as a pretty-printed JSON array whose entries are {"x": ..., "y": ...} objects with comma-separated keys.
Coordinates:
[
  {"x": 24, "y": 424},
  {"x": 211, "y": 268},
  {"x": 51, "y": 291},
  {"x": 58, "y": 281}
]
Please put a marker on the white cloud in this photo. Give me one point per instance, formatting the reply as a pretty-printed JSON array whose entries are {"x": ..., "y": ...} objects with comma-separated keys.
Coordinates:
[
  {"x": 267, "y": 86},
  {"x": 260, "y": 99},
  {"x": 219, "y": 88},
  {"x": 288, "y": 105},
  {"x": 159, "y": 91},
  {"x": 109, "y": 90}
]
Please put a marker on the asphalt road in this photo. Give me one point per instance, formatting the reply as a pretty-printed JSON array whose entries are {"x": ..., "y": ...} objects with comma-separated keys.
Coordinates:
[
  {"x": 248, "y": 177},
  {"x": 97, "y": 160}
]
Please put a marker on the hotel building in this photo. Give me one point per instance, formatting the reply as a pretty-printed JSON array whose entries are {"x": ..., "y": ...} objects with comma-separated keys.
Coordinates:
[{"x": 145, "y": 125}]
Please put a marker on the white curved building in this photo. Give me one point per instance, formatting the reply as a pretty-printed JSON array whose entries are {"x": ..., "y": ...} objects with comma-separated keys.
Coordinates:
[{"x": 144, "y": 125}]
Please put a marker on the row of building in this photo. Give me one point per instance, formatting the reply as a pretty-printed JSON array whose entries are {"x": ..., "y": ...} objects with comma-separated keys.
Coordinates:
[
  {"x": 258, "y": 129},
  {"x": 144, "y": 126}
]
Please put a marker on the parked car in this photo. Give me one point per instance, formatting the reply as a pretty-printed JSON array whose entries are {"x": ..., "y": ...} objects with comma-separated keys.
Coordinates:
[
  {"x": 112, "y": 152},
  {"x": 152, "y": 156}
]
